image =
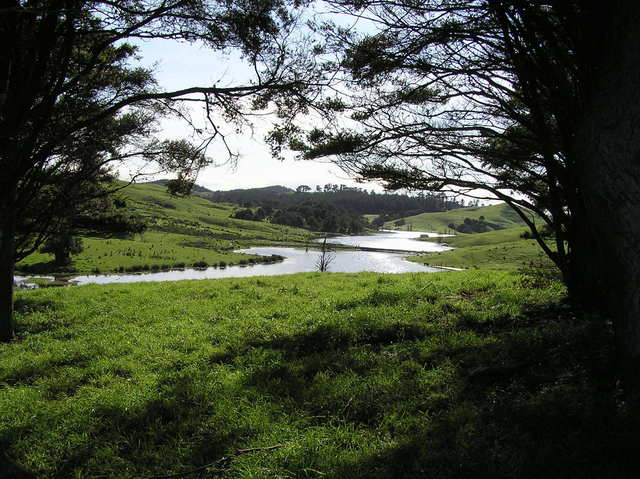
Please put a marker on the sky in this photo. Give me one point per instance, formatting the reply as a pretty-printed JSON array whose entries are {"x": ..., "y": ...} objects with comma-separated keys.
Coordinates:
[{"x": 179, "y": 65}]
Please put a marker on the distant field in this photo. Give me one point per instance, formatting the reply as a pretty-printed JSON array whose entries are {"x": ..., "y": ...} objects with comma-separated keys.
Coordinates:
[
  {"x": 481, "y": 239},
  {"x": 202, "y": 218},
  {"x": 510, "y": 256},
  {"x": 500, "y": 250},
  {"x": 500, "y": 214},
  {"x": 181, "y": 232}
]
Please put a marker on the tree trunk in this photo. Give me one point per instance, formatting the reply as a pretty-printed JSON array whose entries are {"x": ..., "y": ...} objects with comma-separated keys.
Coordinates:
[
  {"x": 607, "y": 249},
  {"x": 7, "y": 266}
]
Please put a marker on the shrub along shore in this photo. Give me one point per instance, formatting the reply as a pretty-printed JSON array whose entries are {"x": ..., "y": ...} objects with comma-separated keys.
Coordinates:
[{"x": 448, "y": 375}]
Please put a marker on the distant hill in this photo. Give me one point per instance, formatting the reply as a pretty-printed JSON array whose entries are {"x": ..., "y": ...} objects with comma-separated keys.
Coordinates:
[
  {"x": 354, "y": 200},
  {"x": 237, "y": 196},
  {"x": 495, "y": 217},
  {"x": 268, "y": 195},
  {"x": 263, "y": 206},
  {"x": 197, "y": 189},
  {"x": 378, "y": 207},
  {"x": 196, "y": 215}
]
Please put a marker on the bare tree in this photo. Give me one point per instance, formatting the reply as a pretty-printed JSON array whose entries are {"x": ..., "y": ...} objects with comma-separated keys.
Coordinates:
[{"x": 325, "y": 258}]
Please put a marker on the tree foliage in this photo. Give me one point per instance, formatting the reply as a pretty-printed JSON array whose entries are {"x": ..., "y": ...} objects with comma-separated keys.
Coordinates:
[
  {"x": 73, "y": 105},
  {"x": 62, "y": 246},
  {"x": 355, "y": 199},
  {"x": 320, "y": 216},
  {"x": 505, "y": 99}
]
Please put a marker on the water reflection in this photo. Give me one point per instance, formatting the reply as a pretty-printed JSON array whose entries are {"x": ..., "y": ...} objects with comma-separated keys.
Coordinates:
[{"x": 393, "y": 240}]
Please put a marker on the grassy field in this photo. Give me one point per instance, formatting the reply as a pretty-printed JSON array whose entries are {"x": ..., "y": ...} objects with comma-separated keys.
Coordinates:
[
  {"x": 181, "y": 231},
  {"x": 500, "y": 214},
  {"x": 495, "y": 250},
  {"x": 448, "y": 375},
  {"x": 503, "y": 256},
  {"x": 482, "y": 239}
]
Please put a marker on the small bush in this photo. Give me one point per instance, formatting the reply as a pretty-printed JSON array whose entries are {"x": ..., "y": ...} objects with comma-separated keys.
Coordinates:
[{"x": 539, "y": 274}]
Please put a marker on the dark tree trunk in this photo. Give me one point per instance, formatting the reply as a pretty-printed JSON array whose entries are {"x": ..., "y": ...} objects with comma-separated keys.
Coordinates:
[
  {"x": 606, "y": 271},
  {"x": 62, "y": 258},
  {"x": 7, "y": 266}
]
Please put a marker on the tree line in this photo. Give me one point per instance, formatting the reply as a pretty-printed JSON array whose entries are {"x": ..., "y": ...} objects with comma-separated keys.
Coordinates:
[
  {"x": 355, "y": 200},
  {"x": 312, "y": 215}
]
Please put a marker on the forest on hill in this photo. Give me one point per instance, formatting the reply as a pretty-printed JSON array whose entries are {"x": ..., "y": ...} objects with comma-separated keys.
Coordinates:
[
  {"x": 330, "y": 208},
  {"x": 357, "y": 200}
]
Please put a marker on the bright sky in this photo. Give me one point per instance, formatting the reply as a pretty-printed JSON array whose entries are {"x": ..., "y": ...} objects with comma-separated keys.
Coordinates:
[{"x": 179, "y": 65}]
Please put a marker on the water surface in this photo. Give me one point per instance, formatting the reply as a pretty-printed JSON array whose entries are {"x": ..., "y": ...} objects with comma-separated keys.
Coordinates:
[
  {"x": 393, "y": 241},
  {"x": 298, "y": 261}
]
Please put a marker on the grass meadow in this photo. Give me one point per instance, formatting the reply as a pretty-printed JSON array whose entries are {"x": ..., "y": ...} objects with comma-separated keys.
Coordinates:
[
  {"x": 446, "y": 375},
  {"x": 495, "y": 250}
]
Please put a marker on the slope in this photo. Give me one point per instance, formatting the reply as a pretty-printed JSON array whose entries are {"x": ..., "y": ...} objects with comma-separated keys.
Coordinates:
[
  {"x": 181, "y": 232},
  {"x": 500, "y": 214}
]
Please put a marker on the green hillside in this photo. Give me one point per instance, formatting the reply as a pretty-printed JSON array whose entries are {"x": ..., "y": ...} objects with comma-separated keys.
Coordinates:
[
  {"x": 499, "y": 250},
  {"x": 481, "y": 239},
  {"x": 508, "y": 255},
  {"x": 181, "y": 232},
  {"x": 500, "y": 214},
  {"x": 202, "y": 218}
]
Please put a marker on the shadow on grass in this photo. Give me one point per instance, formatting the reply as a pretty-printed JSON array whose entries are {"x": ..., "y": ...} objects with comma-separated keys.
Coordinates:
[
  {"x": 44, "y": 267},
  {"x": 536, "y": 397},
  {"x": 43, "y": 315},
  {"x": 515, "y": 397},
  {"x": 29, "y": 305},
  {"x": 174, "y": 432}
]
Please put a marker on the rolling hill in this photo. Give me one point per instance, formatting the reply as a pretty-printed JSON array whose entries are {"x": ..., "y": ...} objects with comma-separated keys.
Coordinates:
[
  {"x": 501, "y": 215},
  {"x": 180, "y": 232}
]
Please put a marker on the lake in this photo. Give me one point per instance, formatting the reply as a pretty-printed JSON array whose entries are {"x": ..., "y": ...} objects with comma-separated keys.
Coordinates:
[
  {"x": 392, "y": 240},
  {"x": 299, "y": 261}
]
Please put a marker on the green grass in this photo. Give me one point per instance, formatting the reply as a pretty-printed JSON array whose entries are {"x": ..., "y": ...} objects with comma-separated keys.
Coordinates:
[
  {"x": 495, "y": 250},
  {"x": 482, "y": 239},
  {"x": 449, "y": 375},
  {"x": 181, "y": 231},
  {"x": 510, "y": 256},
  {"x": 500, "y": 214},
  {"x": 202, "y": 218}
]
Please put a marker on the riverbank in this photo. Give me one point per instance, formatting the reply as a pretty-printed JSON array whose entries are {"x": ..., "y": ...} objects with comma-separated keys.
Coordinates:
[
  {"x": 468, "y": 374},
  {"x": 347, "y": 255},
  {"x": 272, "y": 261}
]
